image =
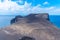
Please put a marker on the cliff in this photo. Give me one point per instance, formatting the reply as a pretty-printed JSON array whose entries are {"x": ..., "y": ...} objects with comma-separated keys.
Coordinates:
[
  {"x": 31, "y": 17},
  {"x": 30, "y": 27}
]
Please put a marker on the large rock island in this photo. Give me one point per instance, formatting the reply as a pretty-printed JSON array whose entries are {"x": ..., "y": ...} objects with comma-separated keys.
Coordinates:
[{"x": 30, "y": 27}]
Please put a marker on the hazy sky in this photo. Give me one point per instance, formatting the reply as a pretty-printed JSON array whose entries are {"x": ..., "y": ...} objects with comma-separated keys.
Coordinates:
[{"x": 23, "y": 7}]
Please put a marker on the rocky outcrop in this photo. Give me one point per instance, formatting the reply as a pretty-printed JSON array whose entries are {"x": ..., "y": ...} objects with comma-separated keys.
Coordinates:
[
  {"x": 31, "y": 27},
  {"x": 30, "y": 18},
  {"x": 27, "y": 38},
  {"x": 16, "y": 19}
]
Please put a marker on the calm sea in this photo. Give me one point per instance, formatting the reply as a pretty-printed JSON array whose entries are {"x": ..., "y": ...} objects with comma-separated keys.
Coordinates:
[
  {"x": 5, "y": 20},
  {"x": 55, "y": 19}
]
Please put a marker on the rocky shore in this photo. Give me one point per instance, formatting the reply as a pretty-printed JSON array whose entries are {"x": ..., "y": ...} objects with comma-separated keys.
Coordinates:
[{"x": 30, "y": 27}]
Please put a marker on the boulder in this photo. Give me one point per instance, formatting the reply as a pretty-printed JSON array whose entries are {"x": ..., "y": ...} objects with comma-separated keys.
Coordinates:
[{"x": 26, "y": 38}]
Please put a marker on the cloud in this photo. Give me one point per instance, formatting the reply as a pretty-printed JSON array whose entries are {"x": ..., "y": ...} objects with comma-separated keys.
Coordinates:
[
  {"x": 45, "y": 3},
  {"x": 12, "y": 8}
]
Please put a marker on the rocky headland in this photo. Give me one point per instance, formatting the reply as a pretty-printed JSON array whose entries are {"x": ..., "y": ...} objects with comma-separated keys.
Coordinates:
[{"x": 30, "y": 27}]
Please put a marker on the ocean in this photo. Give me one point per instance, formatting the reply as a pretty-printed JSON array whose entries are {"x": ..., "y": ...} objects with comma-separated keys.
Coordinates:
[
  {"x": 55, "y": 19},
  {"x": 5, "y": 20}
]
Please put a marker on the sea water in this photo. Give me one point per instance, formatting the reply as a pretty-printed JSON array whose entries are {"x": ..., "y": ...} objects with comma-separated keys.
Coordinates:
[
  {"x": 5, "y": 20},
  {"x": 55, "y": 19}
]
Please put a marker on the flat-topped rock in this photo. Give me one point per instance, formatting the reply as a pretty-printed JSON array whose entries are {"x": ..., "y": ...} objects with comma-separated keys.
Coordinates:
[{"x": 31, "y": 18}]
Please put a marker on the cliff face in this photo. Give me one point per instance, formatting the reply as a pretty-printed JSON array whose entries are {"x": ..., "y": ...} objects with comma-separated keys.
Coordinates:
[
  {"x": 31, "y": 18},
  {"x": 31, "y": 27}
]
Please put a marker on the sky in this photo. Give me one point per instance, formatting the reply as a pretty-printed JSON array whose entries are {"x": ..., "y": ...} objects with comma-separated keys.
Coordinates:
[{"x": 25, "y": 7}]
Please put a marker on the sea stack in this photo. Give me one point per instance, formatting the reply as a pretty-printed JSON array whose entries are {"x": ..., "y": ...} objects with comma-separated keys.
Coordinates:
[{"x": 30, "y": 27}]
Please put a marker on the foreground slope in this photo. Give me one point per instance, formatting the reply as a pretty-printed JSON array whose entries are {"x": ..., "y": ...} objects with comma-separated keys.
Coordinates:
[{"x": 35, "y": 26}]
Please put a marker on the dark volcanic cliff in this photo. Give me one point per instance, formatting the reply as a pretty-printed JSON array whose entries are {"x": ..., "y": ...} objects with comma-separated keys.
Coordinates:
[
  {"x": 31, "y": 27},
  {"x": 31, "y": 18}
]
